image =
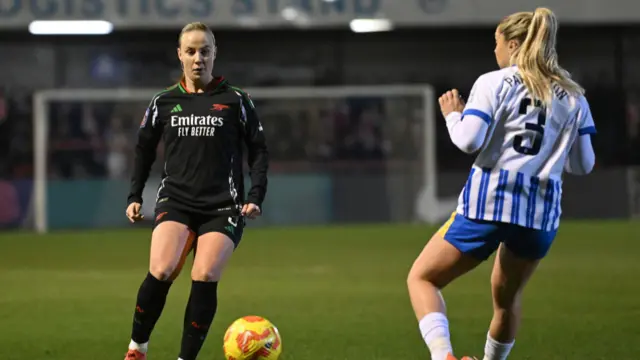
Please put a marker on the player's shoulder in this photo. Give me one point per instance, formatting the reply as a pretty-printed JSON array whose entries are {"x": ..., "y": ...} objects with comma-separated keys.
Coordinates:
[
  {"x": 581, "y": 106},
  {"x": 571, "y": 102},
  {"x": 241, "y": 93},
  {"x": 492, "y": 84},
  {"x": 173, "y": 89},
  {"x": 166, "y": 92},
  {"x": 237, "y": 90},
  {"x": 499, "y": 76},
  {"x": 495, "y": 81},
  {"x": 582, "y": 101}
]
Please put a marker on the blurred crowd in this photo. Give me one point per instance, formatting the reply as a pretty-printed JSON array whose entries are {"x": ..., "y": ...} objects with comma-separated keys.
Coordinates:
[{"x": 98, "y": 139}]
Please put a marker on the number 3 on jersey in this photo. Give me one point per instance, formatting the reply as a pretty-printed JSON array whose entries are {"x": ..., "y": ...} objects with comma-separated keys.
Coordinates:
[{"x": 537, "y": 128}]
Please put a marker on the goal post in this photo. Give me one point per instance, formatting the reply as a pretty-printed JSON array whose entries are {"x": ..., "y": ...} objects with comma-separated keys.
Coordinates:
[{"x": 427, "y": 206}]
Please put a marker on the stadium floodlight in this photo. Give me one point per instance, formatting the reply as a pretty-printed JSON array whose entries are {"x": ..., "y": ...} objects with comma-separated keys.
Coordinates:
[
  {"x": 70, "y": 27},
  {"x": 295, "y": 16},
  {"x": 370, "y": 25},
  {"x": 413, "y": 188}
]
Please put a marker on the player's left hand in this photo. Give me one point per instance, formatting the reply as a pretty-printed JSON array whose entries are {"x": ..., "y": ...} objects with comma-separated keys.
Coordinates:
[
  {"x": 251, "y": 211},
  {"x": 451, "y": 101}
]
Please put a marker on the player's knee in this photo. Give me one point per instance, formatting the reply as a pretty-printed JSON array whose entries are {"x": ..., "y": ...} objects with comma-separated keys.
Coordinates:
[
  {"x": 207, "y": 275},
  {"x": 419, "y": 274},
  {"x": 414, "y": 275},
  {"x": 163, "y": 271}
]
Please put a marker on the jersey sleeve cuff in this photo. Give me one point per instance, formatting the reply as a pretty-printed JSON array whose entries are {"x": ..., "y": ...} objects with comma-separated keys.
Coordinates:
[
  {"x": 134, "y": 199},
  {"x": 589, "y": 130},
  {"x": 478, "y": 113},
  {"x": 254, "y": 200}
]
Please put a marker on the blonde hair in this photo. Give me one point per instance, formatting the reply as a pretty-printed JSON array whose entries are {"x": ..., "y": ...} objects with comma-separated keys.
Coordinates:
[
  {"x": 536, "y": 57},
  {"x": 194, "y": 26}
]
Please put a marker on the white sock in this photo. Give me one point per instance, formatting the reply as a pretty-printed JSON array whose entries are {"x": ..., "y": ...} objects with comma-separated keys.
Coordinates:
[
  {"x": 140, "y": 347},
  {"x": 434, "y": 328},
  {"x": 494, "y": 350}
]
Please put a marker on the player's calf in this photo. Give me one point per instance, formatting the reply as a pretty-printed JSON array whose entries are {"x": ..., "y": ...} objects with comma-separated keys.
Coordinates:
[
  {"x": 150, "y": 302},
  {"x": 169, "y": 243},
  {"x": 199, "y": 314},
  {"x": 214, "y": 250},
  {"x": 437, "y": 265},
  {"x": 508, "y": 279},
  {"x": 428, "y": 304}
]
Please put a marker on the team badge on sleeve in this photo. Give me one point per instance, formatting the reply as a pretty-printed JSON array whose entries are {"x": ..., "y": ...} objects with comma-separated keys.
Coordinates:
[{"x": 144, "y": 119}]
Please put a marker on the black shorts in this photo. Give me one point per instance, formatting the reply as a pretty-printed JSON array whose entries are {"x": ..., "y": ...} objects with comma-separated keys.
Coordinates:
[{"x": 231, "y": 226}]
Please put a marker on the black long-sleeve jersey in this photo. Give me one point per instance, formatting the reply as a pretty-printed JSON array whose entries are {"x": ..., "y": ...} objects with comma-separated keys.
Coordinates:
[{"x": 203, "y": 135}]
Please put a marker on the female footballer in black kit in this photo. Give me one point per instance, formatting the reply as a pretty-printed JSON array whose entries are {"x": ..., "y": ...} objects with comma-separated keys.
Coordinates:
[{"x": 200, "y": 204}]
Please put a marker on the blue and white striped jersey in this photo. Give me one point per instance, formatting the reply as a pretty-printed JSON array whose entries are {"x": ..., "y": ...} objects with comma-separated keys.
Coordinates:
[{"x": 517, "y": 176}]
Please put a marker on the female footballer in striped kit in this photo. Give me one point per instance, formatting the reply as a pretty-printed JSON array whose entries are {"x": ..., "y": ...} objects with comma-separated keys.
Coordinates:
[{"x": 530, "y": 122}]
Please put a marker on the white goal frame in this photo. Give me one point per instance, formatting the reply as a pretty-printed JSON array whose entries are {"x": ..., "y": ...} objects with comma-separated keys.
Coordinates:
[
  {"x": 428, "y": 208},
  {"x": 633, "y": 190}
]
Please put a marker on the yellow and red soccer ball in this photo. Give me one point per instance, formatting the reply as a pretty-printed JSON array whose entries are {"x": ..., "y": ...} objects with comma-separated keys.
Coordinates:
[{"x": 252, "y": 338}]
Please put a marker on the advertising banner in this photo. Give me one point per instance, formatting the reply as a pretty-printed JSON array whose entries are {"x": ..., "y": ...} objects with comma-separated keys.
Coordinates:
[{"x": 143, "y": 14}]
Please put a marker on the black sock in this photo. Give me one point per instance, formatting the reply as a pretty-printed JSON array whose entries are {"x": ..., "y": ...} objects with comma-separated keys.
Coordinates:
[
  {"x": 199, "y": 314},
  {"x": 187, "y": 313},
  {"x": 151, "y": 299}
]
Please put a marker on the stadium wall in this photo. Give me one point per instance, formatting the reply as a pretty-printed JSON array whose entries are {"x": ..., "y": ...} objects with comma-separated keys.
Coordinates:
[{"x": 300, "y": 199}]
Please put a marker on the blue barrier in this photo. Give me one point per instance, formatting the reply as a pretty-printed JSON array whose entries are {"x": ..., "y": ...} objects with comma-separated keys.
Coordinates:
[{"x": 291, "y": 200}]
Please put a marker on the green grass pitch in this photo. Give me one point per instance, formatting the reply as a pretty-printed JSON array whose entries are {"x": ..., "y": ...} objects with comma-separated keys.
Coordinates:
[{"x": 334, "y": 293}]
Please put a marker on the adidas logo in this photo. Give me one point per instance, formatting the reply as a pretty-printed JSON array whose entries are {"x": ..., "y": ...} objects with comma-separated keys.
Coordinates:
[{"x": 176, "y": 109}]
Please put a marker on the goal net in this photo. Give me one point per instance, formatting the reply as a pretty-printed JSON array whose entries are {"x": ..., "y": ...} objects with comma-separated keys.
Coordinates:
[{"x": 338, "y": 154}]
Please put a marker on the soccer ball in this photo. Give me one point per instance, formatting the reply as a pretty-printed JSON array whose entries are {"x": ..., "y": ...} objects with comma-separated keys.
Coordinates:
[{"x": 252, "y": 338}]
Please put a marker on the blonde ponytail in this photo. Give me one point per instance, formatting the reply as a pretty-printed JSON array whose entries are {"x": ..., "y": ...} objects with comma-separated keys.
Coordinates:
[{"x": 536, "y": 57}]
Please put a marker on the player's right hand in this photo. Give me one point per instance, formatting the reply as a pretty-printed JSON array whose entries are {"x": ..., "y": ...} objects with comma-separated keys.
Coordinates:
[
  {"x": 133, "y": 212},
  {"x": 451, "y": 101}
]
